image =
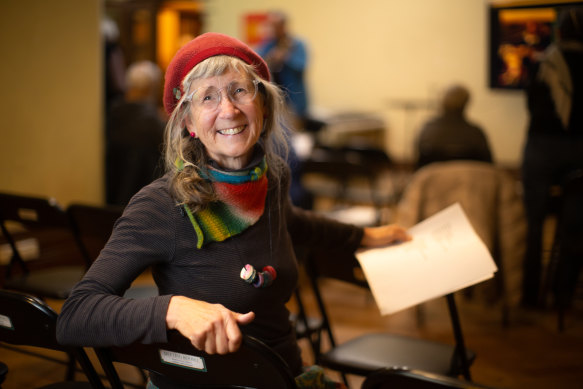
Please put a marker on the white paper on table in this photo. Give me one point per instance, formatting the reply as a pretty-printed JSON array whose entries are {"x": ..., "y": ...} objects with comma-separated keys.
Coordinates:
[{"x": 445, "y": 255}]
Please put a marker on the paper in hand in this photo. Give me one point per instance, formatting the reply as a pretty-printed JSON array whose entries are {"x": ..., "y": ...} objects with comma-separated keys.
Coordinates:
[{"x": 445, "y": 255}]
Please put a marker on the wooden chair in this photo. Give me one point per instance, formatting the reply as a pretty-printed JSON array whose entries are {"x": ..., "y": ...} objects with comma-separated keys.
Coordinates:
[
  {"x": 254, "y": 365},
  {"x": 367, "y": 353},
  {"x": 391, "y": 378},
  {"x": 26, "y": 320}
]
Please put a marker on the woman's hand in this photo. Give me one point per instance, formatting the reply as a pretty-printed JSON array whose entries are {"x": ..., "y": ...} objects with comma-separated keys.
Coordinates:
[
  {"x": 210, "y": 327},
  {"x": 384, "y": 235}
]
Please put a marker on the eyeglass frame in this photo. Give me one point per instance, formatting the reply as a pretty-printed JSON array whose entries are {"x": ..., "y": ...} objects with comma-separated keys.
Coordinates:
[{"x": 256, "y": 83}]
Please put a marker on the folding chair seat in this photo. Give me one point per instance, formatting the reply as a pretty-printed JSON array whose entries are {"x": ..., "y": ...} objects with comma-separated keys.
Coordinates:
[
  {"x": 93, "y": 225},
  {"x": 60, "y": 264},
  {"x": 254, "y": 365},
  {"x": 367, "y": 353},
  {"x": 25, "y": 320}
]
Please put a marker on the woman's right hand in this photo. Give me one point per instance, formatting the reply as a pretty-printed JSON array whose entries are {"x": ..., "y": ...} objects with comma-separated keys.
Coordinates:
[{"x": 209, "y": 327}]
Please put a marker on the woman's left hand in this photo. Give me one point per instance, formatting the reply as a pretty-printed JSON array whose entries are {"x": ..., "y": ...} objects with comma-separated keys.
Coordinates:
[{"x": 384, "y": 235}]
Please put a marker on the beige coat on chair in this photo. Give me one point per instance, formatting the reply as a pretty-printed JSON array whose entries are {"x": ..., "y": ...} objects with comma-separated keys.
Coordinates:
[{"x": 491, "y": 199}]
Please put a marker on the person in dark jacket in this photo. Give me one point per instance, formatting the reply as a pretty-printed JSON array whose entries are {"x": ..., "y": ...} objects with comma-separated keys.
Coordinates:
[
  {"x": 134, "y": 135},
  {"x": 450, "y": 136},
  {"x": 554, "y": 145}
]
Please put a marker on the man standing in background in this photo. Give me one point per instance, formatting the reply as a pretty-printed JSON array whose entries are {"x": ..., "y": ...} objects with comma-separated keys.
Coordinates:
[{"x": 287, "y": 58}]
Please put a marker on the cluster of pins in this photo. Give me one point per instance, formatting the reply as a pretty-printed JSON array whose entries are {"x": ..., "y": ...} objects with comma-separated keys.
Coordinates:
[{"x": 259, "y": 279}]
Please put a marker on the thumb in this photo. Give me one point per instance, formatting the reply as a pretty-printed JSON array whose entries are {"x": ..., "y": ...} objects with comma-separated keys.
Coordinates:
[{"x": 245, "y": 318}]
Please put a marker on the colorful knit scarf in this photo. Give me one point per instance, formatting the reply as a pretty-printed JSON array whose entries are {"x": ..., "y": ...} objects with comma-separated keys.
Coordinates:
[{"x": 241, "y": 201}]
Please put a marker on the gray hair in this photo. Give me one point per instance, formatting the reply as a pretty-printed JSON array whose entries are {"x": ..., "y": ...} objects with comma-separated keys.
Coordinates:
[{"x": 187, "y": 185}]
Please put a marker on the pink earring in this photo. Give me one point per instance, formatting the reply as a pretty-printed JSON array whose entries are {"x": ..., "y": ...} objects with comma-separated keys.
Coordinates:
[{"x": 192, "y": 134}]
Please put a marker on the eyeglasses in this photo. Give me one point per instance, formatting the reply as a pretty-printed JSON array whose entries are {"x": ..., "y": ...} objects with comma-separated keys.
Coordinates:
[{"x": 239, "y": 92}]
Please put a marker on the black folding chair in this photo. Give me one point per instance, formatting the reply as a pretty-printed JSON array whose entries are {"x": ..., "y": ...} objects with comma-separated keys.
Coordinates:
[
  {"x": 307, "y": 327},
  {"x": 26, "y": 320},
  {"x": 60, "y": 264},
  {"x": 370, "y": 352},
  {"x": 93, "y": 225},
  {"x": 350, "y": 175},
  {"x": 392, "y": 378},
  {"x": 254, "y": 365}
]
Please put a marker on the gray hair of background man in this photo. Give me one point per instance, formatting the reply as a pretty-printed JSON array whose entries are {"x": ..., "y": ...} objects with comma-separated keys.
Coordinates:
[{"x": 143, "y": 80}]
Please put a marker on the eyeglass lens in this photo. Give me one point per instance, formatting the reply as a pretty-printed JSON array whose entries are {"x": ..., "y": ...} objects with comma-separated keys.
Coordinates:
[{"x": 238, "y": 92}]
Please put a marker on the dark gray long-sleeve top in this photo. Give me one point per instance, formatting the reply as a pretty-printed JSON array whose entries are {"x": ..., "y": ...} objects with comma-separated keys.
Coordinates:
[{"x": 155, "y": 232}]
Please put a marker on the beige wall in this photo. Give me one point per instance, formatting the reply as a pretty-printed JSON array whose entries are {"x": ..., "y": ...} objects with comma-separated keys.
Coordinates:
[
  {"x": 50, "y": 105},
  {"x": 365, "y": 55}
]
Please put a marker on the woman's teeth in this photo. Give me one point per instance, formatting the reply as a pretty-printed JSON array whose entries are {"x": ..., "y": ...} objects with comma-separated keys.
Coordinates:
[{"x": 232, "y": 131}]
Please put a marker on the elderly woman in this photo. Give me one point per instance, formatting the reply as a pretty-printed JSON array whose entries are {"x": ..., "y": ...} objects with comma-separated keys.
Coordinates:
[{"x": 218, "y": 229}]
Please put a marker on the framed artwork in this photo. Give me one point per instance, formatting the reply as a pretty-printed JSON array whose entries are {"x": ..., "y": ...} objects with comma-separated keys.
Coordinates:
[{"x": 519, "y": 35}]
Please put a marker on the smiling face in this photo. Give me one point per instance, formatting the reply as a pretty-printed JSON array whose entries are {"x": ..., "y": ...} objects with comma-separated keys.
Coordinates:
[{"x": 230, "y": 131}]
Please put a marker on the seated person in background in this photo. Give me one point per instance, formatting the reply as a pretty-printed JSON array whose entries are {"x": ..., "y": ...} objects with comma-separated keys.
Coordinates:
[
  {"x": 450, "y": 136},
  {"x": 134, "y": 135},
  {"x": 218, "y": 229}
]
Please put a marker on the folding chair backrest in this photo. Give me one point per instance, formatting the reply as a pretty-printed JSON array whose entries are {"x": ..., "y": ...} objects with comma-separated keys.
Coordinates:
[
  {"x": 36, "y": 214},
  {"x": 332, "y": 162},
  {"x": 254, "y": 365},
  {"x": 336, "y": 265},
  {"x": 374, "y": 158},
  {"x": 93, "y": 224},
  {"x": 351, "y": 176},
  {"x": 28, "y": 321},
  {"x": 32, "y": 211}
]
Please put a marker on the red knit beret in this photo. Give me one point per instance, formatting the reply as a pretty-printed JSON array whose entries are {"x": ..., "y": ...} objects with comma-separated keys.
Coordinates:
[{"x": 197, "y": 50}]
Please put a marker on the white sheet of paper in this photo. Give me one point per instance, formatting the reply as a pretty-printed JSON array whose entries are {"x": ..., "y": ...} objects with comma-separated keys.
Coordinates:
[{"x": 445, "y": 255}]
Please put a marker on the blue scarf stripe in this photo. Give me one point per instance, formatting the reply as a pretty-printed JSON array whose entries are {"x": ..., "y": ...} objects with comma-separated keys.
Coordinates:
[{"x": 236, "y": 177}]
